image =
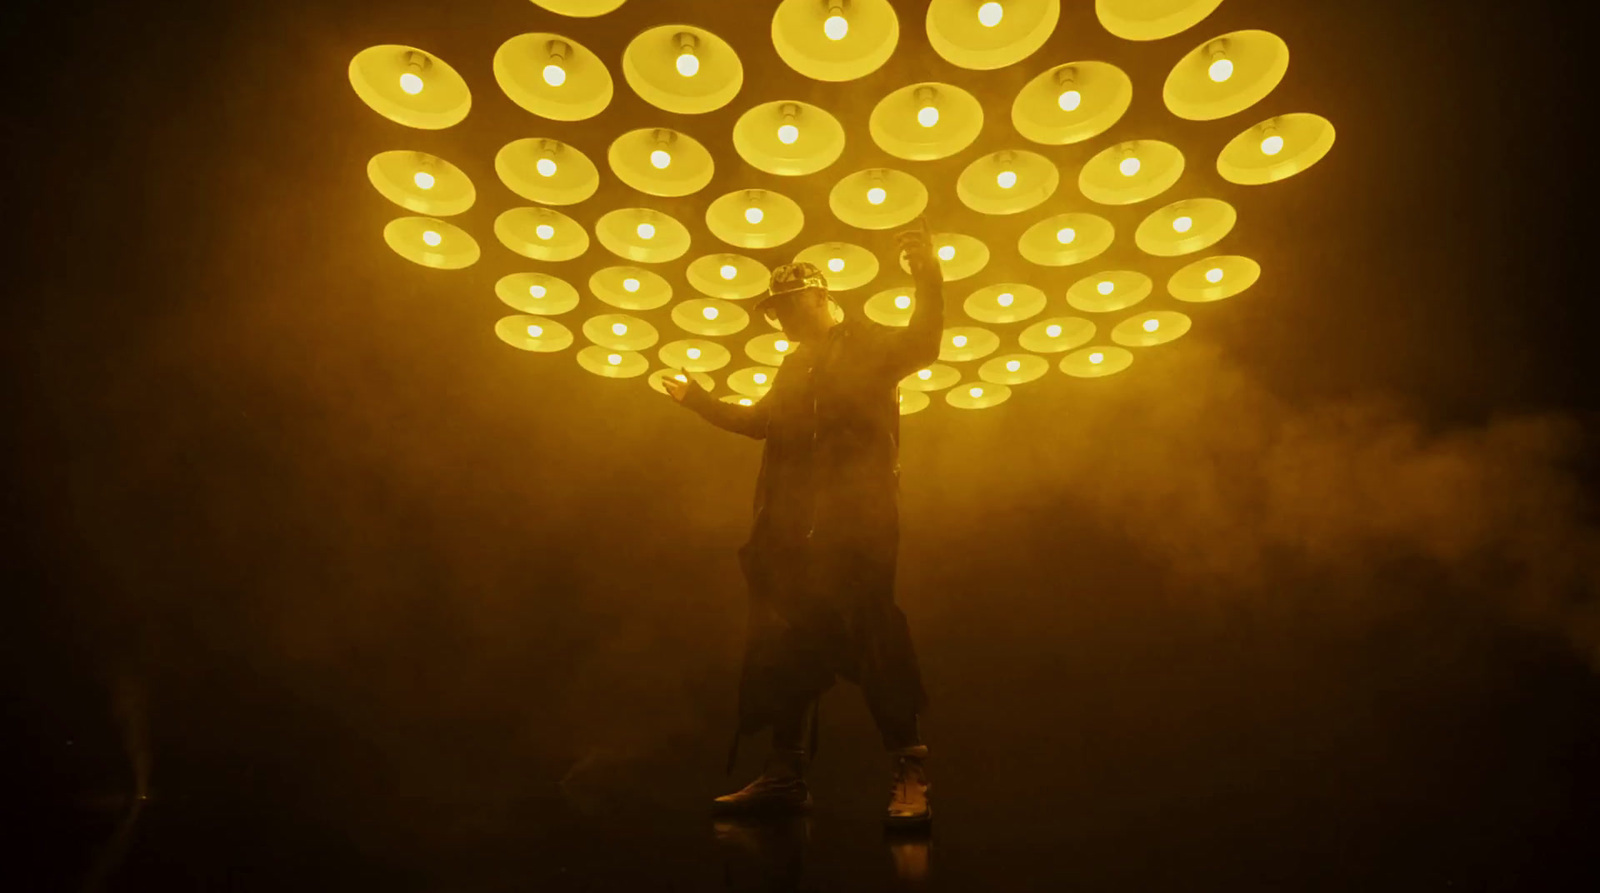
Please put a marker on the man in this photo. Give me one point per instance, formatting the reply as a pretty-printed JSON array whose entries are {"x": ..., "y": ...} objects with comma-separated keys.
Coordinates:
[{"x": 820, "y": 560}]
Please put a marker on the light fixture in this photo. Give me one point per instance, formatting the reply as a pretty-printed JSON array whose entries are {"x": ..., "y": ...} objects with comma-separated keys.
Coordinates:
[
  {"x": 410, "y": 83},
  {"x": 759, "y": 378},
  {"x": 990, "y": 14},
  {"x": 646, "y": 231},
  {"x": 753, "y": 215},
  {"x": 1066, "y": 235},
  {"x": 1006, "y": 179},
  {"x": 693, "y": 353},
  {"x": 976, "y": 392},
  {"x": 688, "y": 62},
  {"x": 614, "y": 359},
  {"x": 925, "y": 374},
  {"x": 709, "y": 313},
  {"x": 927, "y": 112},
  {"x": 681, "y": 377},
  {"x": 1182, "y": 224},
  {"x": 836, "y": 265},
  {"x": 660, "y": 159},
  {"x": 902, "y": 302},
  {"x": 836, "y": 26},
  {"x": 537, "y": 291},
  {"x": 781, "y": 346},
  {"x": 729, "y": 272},
  {"x": 1129, "y": 166},
  {"x": 1272, "y": 145},
  {"x": 1005, "y": 300},
  {"x": 535, "y": 331},
  {"x": 423, "y": 179},
  {"x": 1221, "y": 67},
  {"x": 1106, "y": 287},
  {"x": 1150, "y": 325},
  {"x": 545, "y": 231},
  {"x": 1013, "y": 365},
  {"x": 947, "y": 252},
  {"x": 788, "y": 133},
  {"x": 431, "y": 238},
  {"x": 959, "y": 340},
  {"x": 1214, "y": 275},
  {"x": 630, "y": 285},
  {"x": 1097, "y": 358},
  {"x": 1053, "y": 330},
  {"x": 619, "y": 328},
  {"x": 554, "y": 74}
]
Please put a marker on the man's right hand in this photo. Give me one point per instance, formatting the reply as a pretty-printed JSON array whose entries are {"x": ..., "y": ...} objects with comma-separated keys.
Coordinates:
[{"x": 677, "y": 390}]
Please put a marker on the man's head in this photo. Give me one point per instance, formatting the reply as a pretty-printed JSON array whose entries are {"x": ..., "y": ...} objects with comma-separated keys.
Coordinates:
[{"x": 797, "y": 299}]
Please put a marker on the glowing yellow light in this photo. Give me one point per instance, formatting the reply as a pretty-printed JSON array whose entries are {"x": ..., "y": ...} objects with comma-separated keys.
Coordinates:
[
  {"x": 1070, "y": 100},
  {"x": 903, "y": 302},
  {"x": 990, "y": 14},
  {"x": 729, "y": 272},
  {"x": 836, "y": 265},
  {"x": 688, "y": 65},
  {"x": 1214, "y": 275},
  {"x": 1183, "y": 224},
  {"x": 646, "y": 231},
  {"x": 423, "y": 179},
  {"x": 744, "y": 401},
  {"x": 546, "y": 167},
  {"x": 545, "y": 231},
  {"x": 1221, "y": 70},
  {"x": 925, "y": 374},
  {"x": 660, "y": 158},
  {"x": 928, "y": 116},
  {"x": 959, "y": 340},
  {"x": 535, "y": 332},
  {"x": 1106, "y": 287},
  {"x": 781, "y": 346},
  {"x": 1007, "y": 179},
  {"x": 753, "y": 216},
  {"x": 614, "y": 359},
  {"x": 693, "y": 353},
  {"x": 947, "y": 252},
  {"x": 432, "y": 238},
  {"x": 709, "y": 313},
  {"x": 630, "y": 284},
  {"x": 411, "y": 83},
  {"x": 619, "y": 328},
  {"x": 976, "y": 392},
  {"x": 1272, "y": 145},
  {"x": 1005, "y": 300},
  {"x": 1065, "y": 235},
  {"x": 837, "y": 26},
  {"x": 876, "y": 195},
  {"x": 1013, "y": 365},
  {"x": 1129, "y": 166},
  {"x": 1053, "y": 330},
  {"x": 537, "y": 291},
  {"x": 1150, "y": 325},
  {"x": 759, "y": 378},
  {"x": 555, "y": 75},
  {"x": 788, "y": 134},
  {"x": 1097, "y": 358},
  {"x": 681, "y": 377}
]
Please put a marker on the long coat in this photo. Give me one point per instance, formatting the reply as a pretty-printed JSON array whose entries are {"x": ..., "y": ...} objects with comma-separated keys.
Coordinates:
[{"x": 820, "y": 560}]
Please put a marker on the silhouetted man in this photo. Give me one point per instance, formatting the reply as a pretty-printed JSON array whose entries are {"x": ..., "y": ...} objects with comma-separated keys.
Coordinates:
[{"x": 820, "y": 560}]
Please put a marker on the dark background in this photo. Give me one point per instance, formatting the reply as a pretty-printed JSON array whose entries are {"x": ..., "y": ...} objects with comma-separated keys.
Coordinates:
[{"x": 355, "y": 594}]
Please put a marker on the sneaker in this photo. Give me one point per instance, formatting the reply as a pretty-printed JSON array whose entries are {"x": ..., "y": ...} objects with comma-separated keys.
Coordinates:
[
  {"x": 908, "y": 793},
  {"x": 781, "y": 788}
]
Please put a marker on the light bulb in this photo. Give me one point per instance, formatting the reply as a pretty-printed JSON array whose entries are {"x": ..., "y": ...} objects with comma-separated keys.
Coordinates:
[
  {"x": 555, "y": 75},
  {"x": 546, "y": 167},
  {"x": 411, "y": 83},
  {"x": 876, "y": 195},
  {"x": 535, "y": 331},
  {"x": 660, "y": 158},
  {"x": 837, "y": 26},
  {"x": 902, "y": 301},
  {"x": 688, "y": 65},
  {"x": 976, "y": 392},
  {"x": 990, "y": 14},
  {"x": 1005, "y": 300},
  {"x": 693, "y": 353},
  {"x": 423, "y": 179},
  {"x": 614, "y": 359},
  {"x": 1013, "y": 365},
  {"x": 709, "y": 313},
  {"x": 1097, "y": 358},
  {"x": 759, "y": 378},
  {"x": 646, "y": 231},
  {"x": 788, "y": 134},
  {"x": 1007, "y": 179},
  {"x": 1221, "y": 70},
  {"x": 781, "y": 346},
  {"x": 545, "y": 231},
  {"x": 1053, "y": 330},
  {"x": 1106, "y": 287},
  {"x": 630, "y": 285},
  {"x": 432, "y": 238},
  {"x": 959, "y": 340},
  {"x": 925, "y": 374},
  {"x": 1272, "y": 145},
  {"x": 836, "y": 265},
  {"x": 744, "y": 401},
  {"x": 537, "y": 291},
  {"x": 619, "y": 328},
  {"x": 1150, "y": 325},
  {"x": 1070, "y": 100},
  {"x": 1214, "y": 275},
  {"x": 1129, "y": 166},
  {"x": 681, "y": 377},
  {"x": 753, "y": 215},
  {"x": 1183, "y": 224},
  {"x": 947, "y": 252},
  {"x": 1066, "y": 234},
  {"x": 928, "y": 116},
  {"x": 729, "y": 272}
]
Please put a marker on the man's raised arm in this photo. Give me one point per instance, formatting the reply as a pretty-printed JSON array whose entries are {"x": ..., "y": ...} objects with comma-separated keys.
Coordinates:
[
  {"x": 914, "y": 347},
  {"x": 751, "y": 421}
]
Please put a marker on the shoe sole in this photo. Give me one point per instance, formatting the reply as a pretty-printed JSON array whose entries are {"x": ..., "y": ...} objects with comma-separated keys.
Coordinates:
[
  {"x": 767, "y": 808},
  {"x": 908, "y": 823}
]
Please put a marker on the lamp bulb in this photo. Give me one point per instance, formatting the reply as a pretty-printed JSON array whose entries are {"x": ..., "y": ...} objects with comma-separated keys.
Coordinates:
[
  {"x": 646, "y": 231},
  {"x": 1183, "y": 224},
  {"x": 1150, "y": 325},
  {"x": 432, "y": 238},
  {"x": 537, "y": 291},
  {"x": 1097, "y": 358},
  {"x": 928, "y": 116},
  {"x": 1070, "y": 100},
  {"x": 976, "y": 392},
  {"x": 614, "y": 359},
  {"x": 753, "y": 215},
  {"x": 959, "y": 340},
  {"x": 947, "y": 252},
  {"x": 546, "y": 167},
  {"x": 535, "y": 331},
  {"x": 1013, "y": 365},
  {"x": 1007, "y": 179},
  {"x": 759, "y": 378},
  {"x": 709, "y": 313},
  {"x": 693, "y": 353},
  {"x": 1221, "y": 70},
  {"x": 877, "y": 195},
  {"x": 836, "y": 27},
  {"x": 619, "y": 328},
  {"x": 925, "y": 374},
  {"x": 1053, "y": 330},
  {"x": 688, "y": 65},
  {"x": 1066, "y": 234},
  {"x": 902, "y": 302},
  {"x": 411, "y": 83},
  {"x": 1272, "y": 145},
  {"x": 630, "y": 285},
  {"x": 1214, "y": 275},
  {"x": 788, "y": 134},
  {"x": 729, "y": 272},
  {"x": 836, "y": 265},
  {"x": 1106, "y": 287},
  {"x": 1006, "y": 300},
  {"x": 1129, "y": 166},
  {"x": 781, "y": 346},
  {"x": 660, "y": 158},
  {"x": 990, "y": 14},
  {"x": 423, "y": 179},
  {"x": 545, "y": 231},
  {"x": 555, "y": 75}
]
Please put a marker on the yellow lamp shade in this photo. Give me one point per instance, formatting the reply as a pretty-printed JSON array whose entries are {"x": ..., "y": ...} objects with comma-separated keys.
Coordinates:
[
  {"x": 1152, "y": 19},
  {"x": 962, "y": 38},
  {"x": 818, "y": 138},
  {"x": 968, "y": 256},
  {"x": 651, "y": 66},
  {"x": 800, "y": 35},
  {"x": 1103, "y": 179},
  {"x": 1056, "y": 334},
  {"x": 1259, "y": 60},
  {"x": 574, "y": 179},
  {"x": 620, "y": 332},
  {"x": 938, "y": 377},
  {"x": 1066, "y": 239},
  {"x": 431, "y": 242},
  {"x": 695, "y": 355},
  {"x": 960, "y": 344},
  {"x": 1304, "y": 138},
  {"x": 524, "y": 231},
  {"x": 710, "y": 317},
  {"x": 1097, "y": 361},
  {"x": 780, "y": 221},
  {"x": 580, "y": 8},
  {"x": 536, "y": 334},
  {"x": 913, "y": 401},
  {"x": 1007, "y": 182},
  {"x": 903, "y": 197},
  {"x": 522, "y": 65},
  {"x": 1127, "y": 288},
  {"x": 1214, "y": 278},
  {"x": 537, "y": 293},
  {"x": 1007, "y": 302},
  {"x": 977, "y": 395},
  {"x": 749, "y": 280},
  {"x": 658, "y": 378},
  {"x": 891, "y": 307},
  {"x": 752, "y": 381},
  {"x": 633, "y": 158},
  {"x": 630, "y": 288},
  {"x": 395, "y": 175},
  {"x": 608, "y": 363},
  {"x": 897, "y": 129},
  {"x": 1150, "y": 329},
  {"x": 1104, "y": 93},
  {"x": 1014, "y": 369},
  {"x": 1209, "y": 219},
  {"x": 769, "y": 349},
  {"x": 622, "y": 233},
  {"x": 441, "y": 99},
  {"x": 856, "y": 265}
]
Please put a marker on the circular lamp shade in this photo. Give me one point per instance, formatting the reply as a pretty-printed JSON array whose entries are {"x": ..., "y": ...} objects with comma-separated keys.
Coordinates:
[
  {"x": 977, "y": 395},
  {"x": 963, "y": 343},
  {"x": 912, "y": 401},
  {"x": 638, "y": 155},
  {"x": 1131, "y": 172},
  {"x": 731, "y": 277},
  {"x": 1275, "y": 149},
  {"x": 541, "y": 234},
  {"x": 579, "y": 8},
  {"x": 553, "y": 77},
  {"x": 695, "y": 355},
  {"x": 630, "y": 288},
  {"x": 1226, "y": 75},
  {"x": 1185, "y": 227},
  {"x": 431, "y": 243},
  {"x": 658, "y": 378},
  {"x": 619, "y": 331},
  {"x": 903, "y": 125},
  {"x": 769, "y": 349},
  {"x": 534, "y": 333},
  {"x": 1213, "y": 278},
  {"x": 546, "y": 171},
  {"x": 1096, "y": 362},
  {"x": 891, "y": 307},
  {"x": 1109, "y": 291},
  {"x": 642, "y": 235},
  {"x": 1014, "y": 369},
  {"x": 846, "y": 266},
  {"x": 755, "y": 219},
  {"x": 409, "y": 86},
  {"x": 1072, "y": 103},
  {"x": 788, "y": 138},
  {"x": 710, "y": 317},
  {"x": 959, "y": 256},
  {"x": 422, "y": 183},
  {"x": 537, "y": 293},
  {"x": 1005, "y": 303},
  {"x": 936, "y": 377},
  {"x": 838, "y": 41},
  {"x": 608, "y": 363},
  {"x": 1152, "y": 19},
  {"x": 1150, "y": 329},
  {"x": 1066, "y": 239},
  {"x": 752, "y": 381},
  {"x": 1007, "y": 182},
  {"x": 682, "y": 69},
  {"x": 878, "y": 198},
  {"x": 1057, "y": 334},
  {"x": 990, "y": 35}
]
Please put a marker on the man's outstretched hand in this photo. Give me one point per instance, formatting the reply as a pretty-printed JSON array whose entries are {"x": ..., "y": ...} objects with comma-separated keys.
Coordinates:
[
  {"x": 677, "y": 390},
  {"x": 917, "y": 246}
]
